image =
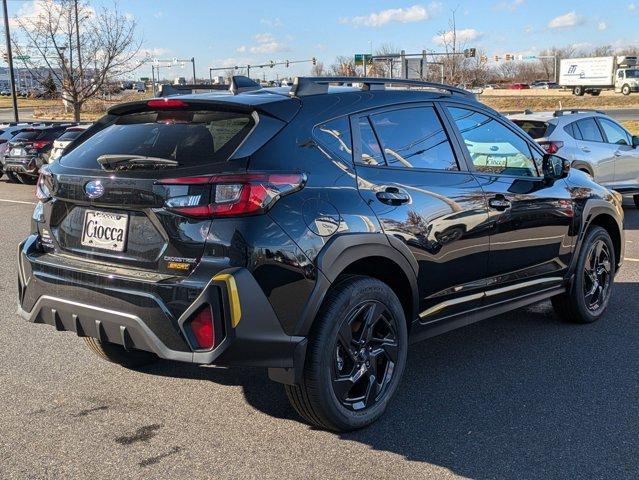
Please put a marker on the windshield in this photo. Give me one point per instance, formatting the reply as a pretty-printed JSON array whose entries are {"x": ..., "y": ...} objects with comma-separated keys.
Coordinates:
[
  {"x": 632, "y": 73},
  {"x": 190, "y": 138}
]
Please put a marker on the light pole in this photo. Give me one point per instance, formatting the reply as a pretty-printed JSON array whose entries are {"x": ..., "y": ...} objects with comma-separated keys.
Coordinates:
[{"x": 12, "y": 80}]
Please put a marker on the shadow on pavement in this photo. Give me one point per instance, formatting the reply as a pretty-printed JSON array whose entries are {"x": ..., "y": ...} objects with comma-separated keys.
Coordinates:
[{"x": 522, "y": 395}]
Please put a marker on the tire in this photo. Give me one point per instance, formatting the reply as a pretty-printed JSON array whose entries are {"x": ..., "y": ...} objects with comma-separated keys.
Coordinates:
[
  {"x": 625, "y": 89},
  {"x": 26, "y": 179},
  {"x": 578, "y": 91},
  {"x": 342, "y": 321},
  {"x": 595, "y": 93},
  {"x": 636, "y": 199},
  {"x": 117, "y": 354},
  {"x": 12, "y": 177},
  {"x": 576, "y": 306}
]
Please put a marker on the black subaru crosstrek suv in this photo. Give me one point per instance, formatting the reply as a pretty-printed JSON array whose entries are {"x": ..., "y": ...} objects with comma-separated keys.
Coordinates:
[{"x": 314, "y": 230}]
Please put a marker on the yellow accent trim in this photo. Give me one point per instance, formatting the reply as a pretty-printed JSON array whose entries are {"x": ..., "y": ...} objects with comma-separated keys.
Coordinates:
[{"x": 234, "y": 297}]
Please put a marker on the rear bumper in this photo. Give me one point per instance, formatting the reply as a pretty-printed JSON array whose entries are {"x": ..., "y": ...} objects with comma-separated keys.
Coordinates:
[
  {"x": 140, "y": 317},
  {"x": 26, "y": 165}
]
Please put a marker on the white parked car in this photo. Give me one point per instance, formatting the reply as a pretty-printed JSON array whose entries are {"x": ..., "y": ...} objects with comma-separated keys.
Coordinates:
[
  {"x": 65, "y": 139},
  {"x": 592, "y": 141}
]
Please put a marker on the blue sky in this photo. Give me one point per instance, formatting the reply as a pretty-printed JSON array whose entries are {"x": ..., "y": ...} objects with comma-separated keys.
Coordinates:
[{"x": 222, "y": 33}]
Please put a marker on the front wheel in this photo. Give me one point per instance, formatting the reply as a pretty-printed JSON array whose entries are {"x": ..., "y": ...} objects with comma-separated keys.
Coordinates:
[
  {"x": 355, "y": 358},
  {"x": 588, "y": 298},
  {"x": 12, "y": 177},
  {"x": 578, "y": 91},
  {"x": 625, "y": 89},
  {"x": 26, "y": 179}
]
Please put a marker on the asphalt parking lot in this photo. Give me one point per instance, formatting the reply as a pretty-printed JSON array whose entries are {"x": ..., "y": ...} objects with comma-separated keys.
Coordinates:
[{"x": 518, "y": 396}]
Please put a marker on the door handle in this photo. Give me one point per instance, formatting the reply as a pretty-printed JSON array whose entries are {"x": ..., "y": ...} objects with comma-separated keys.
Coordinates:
[
  {"x": 499, "y": 203},
  {"x": 617, "y": 153},
  {"x": 393, "y": 196},
  {"x": 585, "y": 149}
]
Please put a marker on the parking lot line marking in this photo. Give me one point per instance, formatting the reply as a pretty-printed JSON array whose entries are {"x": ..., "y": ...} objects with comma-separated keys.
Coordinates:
[
  {"x": 632, "y": 259},
  {"x": 17, "y": 201}
]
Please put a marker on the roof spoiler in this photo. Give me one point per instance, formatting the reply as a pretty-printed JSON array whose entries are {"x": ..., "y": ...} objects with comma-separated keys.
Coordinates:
[
  {"x": 559, "y": 113},
  {"x": 304, "y": 86}
]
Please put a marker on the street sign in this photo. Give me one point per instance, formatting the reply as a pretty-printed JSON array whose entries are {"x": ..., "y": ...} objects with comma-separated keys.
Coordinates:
[
  {"x": 23, "y": 57},
  {"x": 360, "y": 58}
]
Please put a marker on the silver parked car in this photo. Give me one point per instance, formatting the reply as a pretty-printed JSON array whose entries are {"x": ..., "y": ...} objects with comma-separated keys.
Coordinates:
[{"x": 592, "y": 141}]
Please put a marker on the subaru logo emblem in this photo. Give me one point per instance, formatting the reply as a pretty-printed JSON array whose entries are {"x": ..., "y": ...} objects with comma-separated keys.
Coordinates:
[{"x": 94, "y": 189}]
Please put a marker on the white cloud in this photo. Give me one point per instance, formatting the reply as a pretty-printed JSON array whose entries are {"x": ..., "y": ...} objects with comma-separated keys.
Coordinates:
[
  {"x": 601, "y": 26},
  {"x": 465, "y": 35},
  {"x": 272, "y": 22},
  {"x": 632, "y": 7},
  {"x": 35, "y": 11},
  {"x": 570, "y": 19},
  {"x": 416, "y": 13},
  {"x": 528, "y": 29},
  {"x": 265, "y": 43},
  {"x": 158, "y": 14},
  {"x": 510, "y": 5}
]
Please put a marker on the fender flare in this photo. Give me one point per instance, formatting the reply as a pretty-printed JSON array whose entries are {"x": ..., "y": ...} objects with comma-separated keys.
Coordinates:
[
  {"x": 340, "y": 252},
  {"x": 592, "y": 209},
  {"x": 581, "y": 165}
]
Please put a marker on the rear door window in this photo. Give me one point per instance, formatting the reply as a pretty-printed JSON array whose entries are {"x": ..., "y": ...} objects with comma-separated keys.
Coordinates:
[
  {"x": 572, "y": 130},
  {"x": 589, "y": 130},
  {"x": 371, "y": 151},
  {"x": 191, "y": 138},
  {"x": 27, "y": 135},
  {"x": 414, "y": 138}
]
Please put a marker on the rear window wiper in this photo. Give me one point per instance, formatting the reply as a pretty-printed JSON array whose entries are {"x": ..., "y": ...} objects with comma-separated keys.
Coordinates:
[{"x": 121, "y": 161}]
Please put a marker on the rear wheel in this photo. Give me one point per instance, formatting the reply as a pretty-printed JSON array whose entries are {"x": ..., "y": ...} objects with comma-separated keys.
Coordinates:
[
  {"x": 117, "y": 354},
  {"x": 578, "y": 90},
  {"x": 355, "y": 358},
  {"x": 592, "y": 286},
  {"x": 595, "y": 93},
  {"x": 12, "y": 177},
  {"x": 636, "y": 199},
  {"x": 625, "y": 89},
  {"x": 26, "y": 179}
]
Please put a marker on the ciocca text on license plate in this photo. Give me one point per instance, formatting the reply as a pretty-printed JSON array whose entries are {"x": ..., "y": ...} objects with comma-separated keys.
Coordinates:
[{"x": 105, "y": 230}]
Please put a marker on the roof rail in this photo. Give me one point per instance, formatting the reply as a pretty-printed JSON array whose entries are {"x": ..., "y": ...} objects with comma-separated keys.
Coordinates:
[
  {"x": 559, "y": 113},
  {"x": 242, "y": 83},
  {"x": 304, "y": 86}
]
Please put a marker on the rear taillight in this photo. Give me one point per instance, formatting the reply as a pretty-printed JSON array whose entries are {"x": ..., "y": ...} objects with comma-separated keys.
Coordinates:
[
  {"x": 551, "y": 147},
  {"x": 42, "y": 189},
  {"x": 203, "y": 328},
  {"x": 231, "y": 195}
]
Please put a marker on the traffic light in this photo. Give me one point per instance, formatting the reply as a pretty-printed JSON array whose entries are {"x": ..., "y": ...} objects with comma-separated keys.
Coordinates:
[
  {"x": 5, "y": 57},
  {"x": 483, "y": 58},
  {"x": 286, "y": 63},
  {"x": 509, "y": 57},
  {"x": 496, "y": 58},
  {"x": 470, "y": 52},
  {"x": 272, "y": 63},
  {"x": 314, "y": 60}
]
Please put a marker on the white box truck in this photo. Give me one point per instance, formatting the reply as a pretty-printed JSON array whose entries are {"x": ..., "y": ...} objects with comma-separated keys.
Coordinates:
[{"x": 594, "y": 74}]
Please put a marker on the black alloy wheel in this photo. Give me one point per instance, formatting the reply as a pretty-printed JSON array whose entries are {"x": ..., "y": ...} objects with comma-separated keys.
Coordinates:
[
  {"x": 597, "y": 275},
  {"x": 366, "y": 353}
]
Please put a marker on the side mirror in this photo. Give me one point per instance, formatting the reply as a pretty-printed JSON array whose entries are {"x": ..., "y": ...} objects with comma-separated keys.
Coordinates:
[
  {"x": 555, "y": 167},
  {"x": 635, "y": 141}
]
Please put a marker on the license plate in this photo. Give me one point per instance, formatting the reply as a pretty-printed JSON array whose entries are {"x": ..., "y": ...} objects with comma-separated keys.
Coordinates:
[
  {"x": 105, "y": 230},
  {"x": 16, "y": 152}
]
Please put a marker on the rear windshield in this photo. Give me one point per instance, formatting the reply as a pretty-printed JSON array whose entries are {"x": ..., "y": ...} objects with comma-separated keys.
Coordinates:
[
  {"x": 535, "y": 129},
  {"x": 45, "y": 134},
  {"x": 70, "y": 135},
  {"x": 188, "y": 137}
]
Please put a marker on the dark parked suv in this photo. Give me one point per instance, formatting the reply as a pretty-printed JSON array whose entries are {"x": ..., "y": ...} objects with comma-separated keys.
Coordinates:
[{"x": 315, "y": 231}]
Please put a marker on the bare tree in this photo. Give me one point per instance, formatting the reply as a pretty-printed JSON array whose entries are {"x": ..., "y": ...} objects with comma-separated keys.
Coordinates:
[
  {"x": 318, "y": 70},
  {"x": 344, "y": 67},
  {"x": 453, "y": 62},
  {"x": 81, "y": 47}
]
